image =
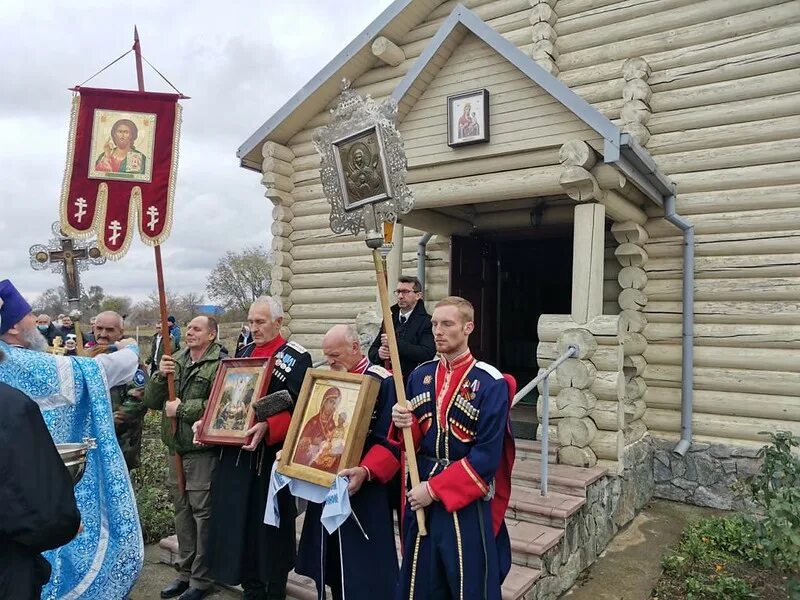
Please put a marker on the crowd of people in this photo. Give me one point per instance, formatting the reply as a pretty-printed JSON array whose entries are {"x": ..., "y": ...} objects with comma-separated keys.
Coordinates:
[{"x": 457, "y": 415}]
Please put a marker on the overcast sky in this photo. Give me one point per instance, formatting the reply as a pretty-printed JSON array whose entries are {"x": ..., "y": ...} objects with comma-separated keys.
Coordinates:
[{"x": 238, "y": 60}]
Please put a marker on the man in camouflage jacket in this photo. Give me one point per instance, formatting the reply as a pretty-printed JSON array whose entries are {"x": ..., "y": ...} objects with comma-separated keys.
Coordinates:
[{"x": 126, "y": 399}]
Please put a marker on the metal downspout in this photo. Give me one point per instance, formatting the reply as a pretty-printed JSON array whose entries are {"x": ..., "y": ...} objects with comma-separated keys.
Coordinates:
[
  {"x": 687, "y": 356},
  {"x": 423, "y": 243}
]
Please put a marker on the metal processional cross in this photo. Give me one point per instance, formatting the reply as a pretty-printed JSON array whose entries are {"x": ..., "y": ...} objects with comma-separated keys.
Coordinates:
[{"x": 68, "y": 257}]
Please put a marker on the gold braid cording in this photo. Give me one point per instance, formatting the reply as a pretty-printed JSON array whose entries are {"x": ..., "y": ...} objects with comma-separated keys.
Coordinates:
[
  {"x": 414, "y": 568},
  {"x": 460, "y": 557}
]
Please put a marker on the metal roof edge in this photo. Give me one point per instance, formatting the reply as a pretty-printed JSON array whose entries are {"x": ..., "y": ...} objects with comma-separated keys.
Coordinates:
[{"x": 339, "y": 61}]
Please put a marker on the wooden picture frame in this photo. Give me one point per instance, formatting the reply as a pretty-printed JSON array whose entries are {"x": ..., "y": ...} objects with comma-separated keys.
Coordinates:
[
  {"x": 230, "y": 408},
  {"x": 360, "y": 160},
  {"x": 468, "y": 118},
  {"x": 329, "y": 425}
]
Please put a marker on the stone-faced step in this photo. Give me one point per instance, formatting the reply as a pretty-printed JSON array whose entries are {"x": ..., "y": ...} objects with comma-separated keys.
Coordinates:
[
  {"x": 564, "y": 479},
  {"x": 532, "y": 450},
  {"x": 530, "y": 540},
  {"x": 553, "y": 510},
  {"x": 519, "y": 580}
]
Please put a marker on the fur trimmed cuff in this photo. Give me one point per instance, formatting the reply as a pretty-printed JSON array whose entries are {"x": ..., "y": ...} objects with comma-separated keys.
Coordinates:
[{"x": 272, "y": 404}]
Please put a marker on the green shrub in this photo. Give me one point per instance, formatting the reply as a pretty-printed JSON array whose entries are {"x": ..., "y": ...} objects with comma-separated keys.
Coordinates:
[
  {"x": 156, "y": 511},
  {"x": 775, "y": 490}
]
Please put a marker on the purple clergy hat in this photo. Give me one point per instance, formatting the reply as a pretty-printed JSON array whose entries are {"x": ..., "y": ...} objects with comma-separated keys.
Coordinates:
[{"x": 13, "y": 307}]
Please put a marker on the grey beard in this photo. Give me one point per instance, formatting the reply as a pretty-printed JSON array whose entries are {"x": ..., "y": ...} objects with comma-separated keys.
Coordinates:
[{"x": 33, "y": 339}]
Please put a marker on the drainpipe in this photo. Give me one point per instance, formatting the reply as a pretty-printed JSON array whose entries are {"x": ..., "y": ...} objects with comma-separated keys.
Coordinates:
[
  {"x": 423, "y": 243},
  {"x": 687, "y": 356}
]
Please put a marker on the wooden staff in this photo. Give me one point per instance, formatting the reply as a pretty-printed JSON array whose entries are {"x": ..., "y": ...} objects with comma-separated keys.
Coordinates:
[
  {"x": 166, "y": 340},
  {"x": 397, "y": 375}
]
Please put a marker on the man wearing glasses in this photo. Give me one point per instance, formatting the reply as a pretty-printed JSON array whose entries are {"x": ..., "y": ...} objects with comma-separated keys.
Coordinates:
[{"x": 412, "y": 325}]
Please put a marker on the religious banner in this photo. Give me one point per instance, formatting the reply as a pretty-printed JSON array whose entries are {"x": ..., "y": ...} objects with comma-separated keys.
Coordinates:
[{"x": 121, "y": 167}]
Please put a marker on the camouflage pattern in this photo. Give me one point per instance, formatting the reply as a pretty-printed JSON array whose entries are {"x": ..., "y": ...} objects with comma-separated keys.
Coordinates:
[{"x": 129, "y": 411}]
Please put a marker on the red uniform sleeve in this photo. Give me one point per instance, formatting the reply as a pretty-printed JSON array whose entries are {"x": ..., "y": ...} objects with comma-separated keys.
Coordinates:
[
  {"x": 381, "y": 463},
  {"x": 277, "y": 427}
]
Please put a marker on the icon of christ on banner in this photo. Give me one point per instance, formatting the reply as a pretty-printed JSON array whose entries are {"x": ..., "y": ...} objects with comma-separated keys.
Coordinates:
[{"x": 122, "y": 143}]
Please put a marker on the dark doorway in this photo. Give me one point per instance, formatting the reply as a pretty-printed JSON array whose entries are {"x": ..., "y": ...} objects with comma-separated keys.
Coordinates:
[{"x": 511, "y": 282}]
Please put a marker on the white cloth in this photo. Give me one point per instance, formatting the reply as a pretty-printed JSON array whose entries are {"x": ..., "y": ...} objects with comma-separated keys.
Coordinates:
[
  {"x": 120, "y": 366},
  {"x": 336, "y": 500}
]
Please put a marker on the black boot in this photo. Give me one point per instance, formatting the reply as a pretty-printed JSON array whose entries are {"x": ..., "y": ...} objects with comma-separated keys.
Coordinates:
[{"x": 175, "y": 589}]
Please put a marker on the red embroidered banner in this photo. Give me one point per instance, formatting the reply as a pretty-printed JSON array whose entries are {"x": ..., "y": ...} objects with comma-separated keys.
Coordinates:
[{"x": 121, "y": 167}]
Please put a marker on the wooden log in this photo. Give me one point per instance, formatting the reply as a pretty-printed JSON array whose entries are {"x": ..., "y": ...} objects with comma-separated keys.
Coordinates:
[
  {"x": 514, "y": 219},
  {"x": 572, "y": 402},
  {"x": 323, "y": 281},
  {"x": 277, "y": 166},
  {"x": 727, "y": 380},
  {"x": 774, "y": 151},
  {"x": 282, "y": 259},
  {"x": 760, "y": 265},
  {"x": 621, "y": 209},
  {"x": 280, "y": 244},
  {"x": 632, "y": 320},
  {"x": 607, "y": 385},
  {"x": 575, "y": 373},
  {"x": 735, "y": 404},
  {"x": 346, "y": 311},
  {"x": 755, "y": 109},
  {"x": 760, "y": 198},
  {"x": 587, "y": 261},
  {"x": 736, "y": 428},
  {"x": 631, "y": 255},
  {"x": 487, "y": 188},
  {"x": 282, "y": 213},
  {"x": 273, "y": 150},
  {"x": 745, "y": 288},
  {"x": 608, "y": 415},
  {"x": 605, "y": 358},
  {"x": 610, "y": 179},
  {"x": 608, "y": 444},
  {"x": 723, "y": 91},
  {"x": 550, "y": 327},
  {"x": 633, "y": 343},
  {"x": 705, "y": 30},
  {"x": 280, "y": 229},
  {"x": 580, "y": 339},
  {"x": 316, "y": 326},
  {"x": 579, "y": 184},
  {"x": 632, "y": 278},
  {"x": 635, "y": 410},
  {"x": 576, "y": 432},
  {"x": 629, "y": 232},
  {"x": 634, "y": 366},
  {"x": 765, "y": 359},
  {"x": 729, "y": 244},
  {"x": 387, "y": 51},
  {"x": 634, "y": 431},
  {"x": 632, "y": 300},
  {"x": 771, "y": 220},
  {"x": 635, "y": 388},
  {"x": 577, "y": 153},
  {"x": 492, "y": 164},
  {"x": 725, "y": 135},
  {"x": 280, "y": 288},
  {"x": 737, "y": 336},
  {"x": 578, "y": 457},
  {"x": 585, "y": 15}
]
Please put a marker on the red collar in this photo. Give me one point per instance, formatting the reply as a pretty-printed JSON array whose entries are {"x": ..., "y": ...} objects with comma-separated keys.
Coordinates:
[
  {"x": 459, "y": 362},
  {"x": 361, "y": 367},
  {"x": 268, "y": 349}
]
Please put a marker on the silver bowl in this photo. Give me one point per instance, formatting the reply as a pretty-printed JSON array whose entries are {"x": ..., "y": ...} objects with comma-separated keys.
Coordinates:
[{"x": 74, "y": 457}]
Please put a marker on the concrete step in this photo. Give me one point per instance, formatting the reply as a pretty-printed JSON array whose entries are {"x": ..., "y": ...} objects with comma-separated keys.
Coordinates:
[
  {"x": 529, "y": 541},
  {"x": 519, "y": 580},
  {"x": 563, "y": 479},
  {"x": 528, "y": 504},
  {"x": 532, "y": 450}
]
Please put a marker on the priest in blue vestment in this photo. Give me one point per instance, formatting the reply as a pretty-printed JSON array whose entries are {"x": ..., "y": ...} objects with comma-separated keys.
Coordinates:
[{"x": 105, "y": 559}]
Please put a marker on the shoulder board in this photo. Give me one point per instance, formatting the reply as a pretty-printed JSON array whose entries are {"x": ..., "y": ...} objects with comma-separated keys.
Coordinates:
[
  {"x": 296, "y": 347},
  {"x": 379, "y": 371},
  {"x": 426, "y": 364},
  {"x": 489, "y": 369}
]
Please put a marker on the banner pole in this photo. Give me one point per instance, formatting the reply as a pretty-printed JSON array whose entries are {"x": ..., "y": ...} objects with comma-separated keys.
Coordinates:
[{"x": 166, "y": 340}]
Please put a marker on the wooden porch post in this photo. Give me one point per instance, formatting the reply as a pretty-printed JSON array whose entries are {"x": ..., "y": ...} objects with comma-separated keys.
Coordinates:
[{"x": 587, "y": 262}]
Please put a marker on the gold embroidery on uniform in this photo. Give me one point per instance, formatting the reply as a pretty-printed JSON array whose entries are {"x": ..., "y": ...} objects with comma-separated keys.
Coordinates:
[
  {"x": 449, "y": 406},
  {"x": 414, "y": 569},
  {"x": 460, "y": 557}
]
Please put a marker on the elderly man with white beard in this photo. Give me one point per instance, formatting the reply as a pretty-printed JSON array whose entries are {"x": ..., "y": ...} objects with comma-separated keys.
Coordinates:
[{"x": 104, "y": 561}]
